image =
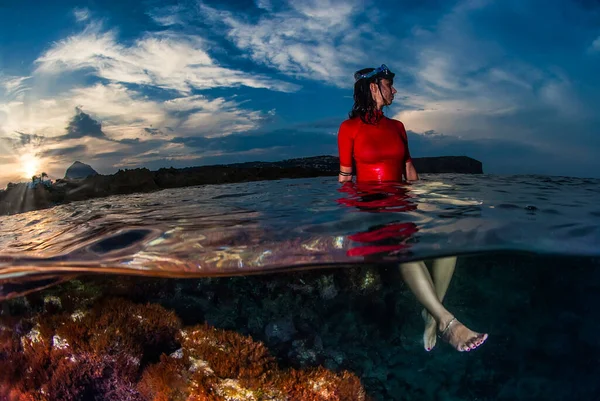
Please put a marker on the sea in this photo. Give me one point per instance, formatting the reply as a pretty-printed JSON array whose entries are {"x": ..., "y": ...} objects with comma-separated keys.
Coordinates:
[{"x": 292, "y": 289}]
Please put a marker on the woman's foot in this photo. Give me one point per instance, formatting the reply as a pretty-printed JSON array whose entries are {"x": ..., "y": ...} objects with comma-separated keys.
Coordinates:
[
  {"x": 461, "y": 337},
  {"x": 429, "y": 335}
]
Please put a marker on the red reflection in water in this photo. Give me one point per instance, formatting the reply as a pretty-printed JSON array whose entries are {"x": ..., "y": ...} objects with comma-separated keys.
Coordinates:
[{"x": 385, "y": 197}]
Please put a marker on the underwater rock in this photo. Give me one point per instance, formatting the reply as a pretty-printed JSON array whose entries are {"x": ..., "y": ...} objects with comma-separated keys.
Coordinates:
[
  {"x": 97, "y": 353},
  {"x": 327, "y": 288},
  {"x": 120, "y": 350},
  {"x": 224, "y": 365},
  {"x": 281, "y": 330}
]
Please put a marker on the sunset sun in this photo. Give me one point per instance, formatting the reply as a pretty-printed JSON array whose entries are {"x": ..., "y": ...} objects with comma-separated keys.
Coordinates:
[{"x": 29, "y": 165}]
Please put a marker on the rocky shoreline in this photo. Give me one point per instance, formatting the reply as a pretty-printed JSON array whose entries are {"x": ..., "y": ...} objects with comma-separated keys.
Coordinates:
[{"x": 23, "y": 197}]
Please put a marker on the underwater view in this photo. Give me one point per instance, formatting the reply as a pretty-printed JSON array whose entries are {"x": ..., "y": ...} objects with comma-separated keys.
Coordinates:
[{"x": 292, "y": 290}]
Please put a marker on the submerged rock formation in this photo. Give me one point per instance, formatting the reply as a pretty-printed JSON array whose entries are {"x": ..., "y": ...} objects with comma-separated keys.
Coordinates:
[
  {"x": 114, "y": 349},
  {"x": 79, "y": 170}
]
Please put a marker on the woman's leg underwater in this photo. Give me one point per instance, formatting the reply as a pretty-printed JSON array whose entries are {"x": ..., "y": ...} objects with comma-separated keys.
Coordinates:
[
  {"x": 418, "y": 279},
  {"x": 442, "y": 270}
]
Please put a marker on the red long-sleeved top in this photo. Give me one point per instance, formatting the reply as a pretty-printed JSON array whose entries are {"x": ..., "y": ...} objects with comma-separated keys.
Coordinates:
[{"x": 380, "y": 150}]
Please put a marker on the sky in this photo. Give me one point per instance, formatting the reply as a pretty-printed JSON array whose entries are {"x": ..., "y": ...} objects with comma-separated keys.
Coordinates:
[{"x": 127, "y": 84}]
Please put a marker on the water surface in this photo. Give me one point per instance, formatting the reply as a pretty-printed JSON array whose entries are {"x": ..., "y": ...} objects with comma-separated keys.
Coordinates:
[{"x": 272, "y": 225}]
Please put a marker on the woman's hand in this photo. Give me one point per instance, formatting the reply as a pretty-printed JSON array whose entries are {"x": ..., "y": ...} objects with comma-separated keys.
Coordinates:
[
  {"x": 345, "y": 174},
  {"x": 344, "y": 178}
]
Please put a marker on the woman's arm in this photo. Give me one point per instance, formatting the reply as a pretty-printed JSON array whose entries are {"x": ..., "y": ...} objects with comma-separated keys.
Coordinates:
[
  {"x": 345, "y": 150},
  {"x": 411, "y": 171}
]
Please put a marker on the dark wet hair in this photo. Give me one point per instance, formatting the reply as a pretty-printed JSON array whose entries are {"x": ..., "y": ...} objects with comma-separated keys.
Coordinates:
[{"x": 364, "y": 105}]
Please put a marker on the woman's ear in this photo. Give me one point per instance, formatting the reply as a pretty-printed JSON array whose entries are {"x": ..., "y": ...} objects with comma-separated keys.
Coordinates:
[{"x": 374, "y": 88}]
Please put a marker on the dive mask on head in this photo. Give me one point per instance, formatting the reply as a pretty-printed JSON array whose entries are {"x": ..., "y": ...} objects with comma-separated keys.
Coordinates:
[{"x": 381, "y": 72}]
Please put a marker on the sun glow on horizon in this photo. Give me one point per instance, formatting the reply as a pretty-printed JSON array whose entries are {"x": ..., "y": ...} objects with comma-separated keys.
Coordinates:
[{"x": 30, "y": 165}]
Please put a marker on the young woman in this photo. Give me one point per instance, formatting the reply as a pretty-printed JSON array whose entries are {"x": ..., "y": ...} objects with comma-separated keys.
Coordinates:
[{"x": 375, "y": 149}]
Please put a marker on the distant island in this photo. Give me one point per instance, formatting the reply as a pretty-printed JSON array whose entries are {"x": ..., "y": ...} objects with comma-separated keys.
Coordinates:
[{"x": 82, "y": 182}]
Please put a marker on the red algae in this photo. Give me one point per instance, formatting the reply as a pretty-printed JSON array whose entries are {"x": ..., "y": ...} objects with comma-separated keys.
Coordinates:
[
  {"x": 225, "y": 365},
  {"x": 119, "y": 350},
  {"x": 320, "y": 384}
]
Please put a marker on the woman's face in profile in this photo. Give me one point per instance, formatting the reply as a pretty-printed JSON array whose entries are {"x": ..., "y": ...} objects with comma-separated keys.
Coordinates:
[{"x": 384, "y": 94}]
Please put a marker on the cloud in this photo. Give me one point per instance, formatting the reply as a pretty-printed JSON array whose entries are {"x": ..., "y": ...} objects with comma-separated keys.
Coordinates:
[
  {"x": 123, "y": 121},
  {"x": 81, "y": 14},
  {"x": 473, "y": 80},
  {"x": 65, "y": 152},
  {"x": 167, "y": 60},
  {"x": 317, "y": 40},
  {"x": 130, "y": 129},
  {"x": 13, "y": 85},
  {"x": 20, "y": 139},
  {"x": 166, "y": 16},
  {"x": 82, "y": 125},
  {"x": 264, "y": 5},
  {"x": 153, "y": 131},
  {"x": 298, "y": 139},
  {"x": 123, "y": 112}
]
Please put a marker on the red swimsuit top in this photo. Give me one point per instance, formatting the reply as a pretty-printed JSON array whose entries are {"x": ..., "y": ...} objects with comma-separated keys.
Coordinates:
[{"x": 379, "y": 150}]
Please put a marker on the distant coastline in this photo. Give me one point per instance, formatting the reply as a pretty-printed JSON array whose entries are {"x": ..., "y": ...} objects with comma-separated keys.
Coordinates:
[{"x": 23, "y": 197}]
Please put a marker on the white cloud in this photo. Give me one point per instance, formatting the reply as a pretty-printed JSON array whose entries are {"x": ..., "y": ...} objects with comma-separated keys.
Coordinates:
[
  {"x": 13, "y": 84},
  {"x": 213, "y": 117},
  {"x": 317, "y": 40},
  {"x": 166, "y": 16},
  {"x": 115, "y": 104},
  {"x": 81, "y": 14},
  {"x": 167, "y": 60},
  {"x": 222, "y": 124},
  {"x": 31, "y": 116},
  {"x": 125, "y": 113},
  {"x": 264, "y": 5}
]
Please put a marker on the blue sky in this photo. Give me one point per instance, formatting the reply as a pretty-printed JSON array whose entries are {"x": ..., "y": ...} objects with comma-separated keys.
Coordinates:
[{"x": 120, "y": 84}]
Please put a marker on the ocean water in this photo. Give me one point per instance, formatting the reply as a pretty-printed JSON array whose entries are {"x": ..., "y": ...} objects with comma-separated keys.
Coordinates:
[{"x": 309, "y": 268}]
